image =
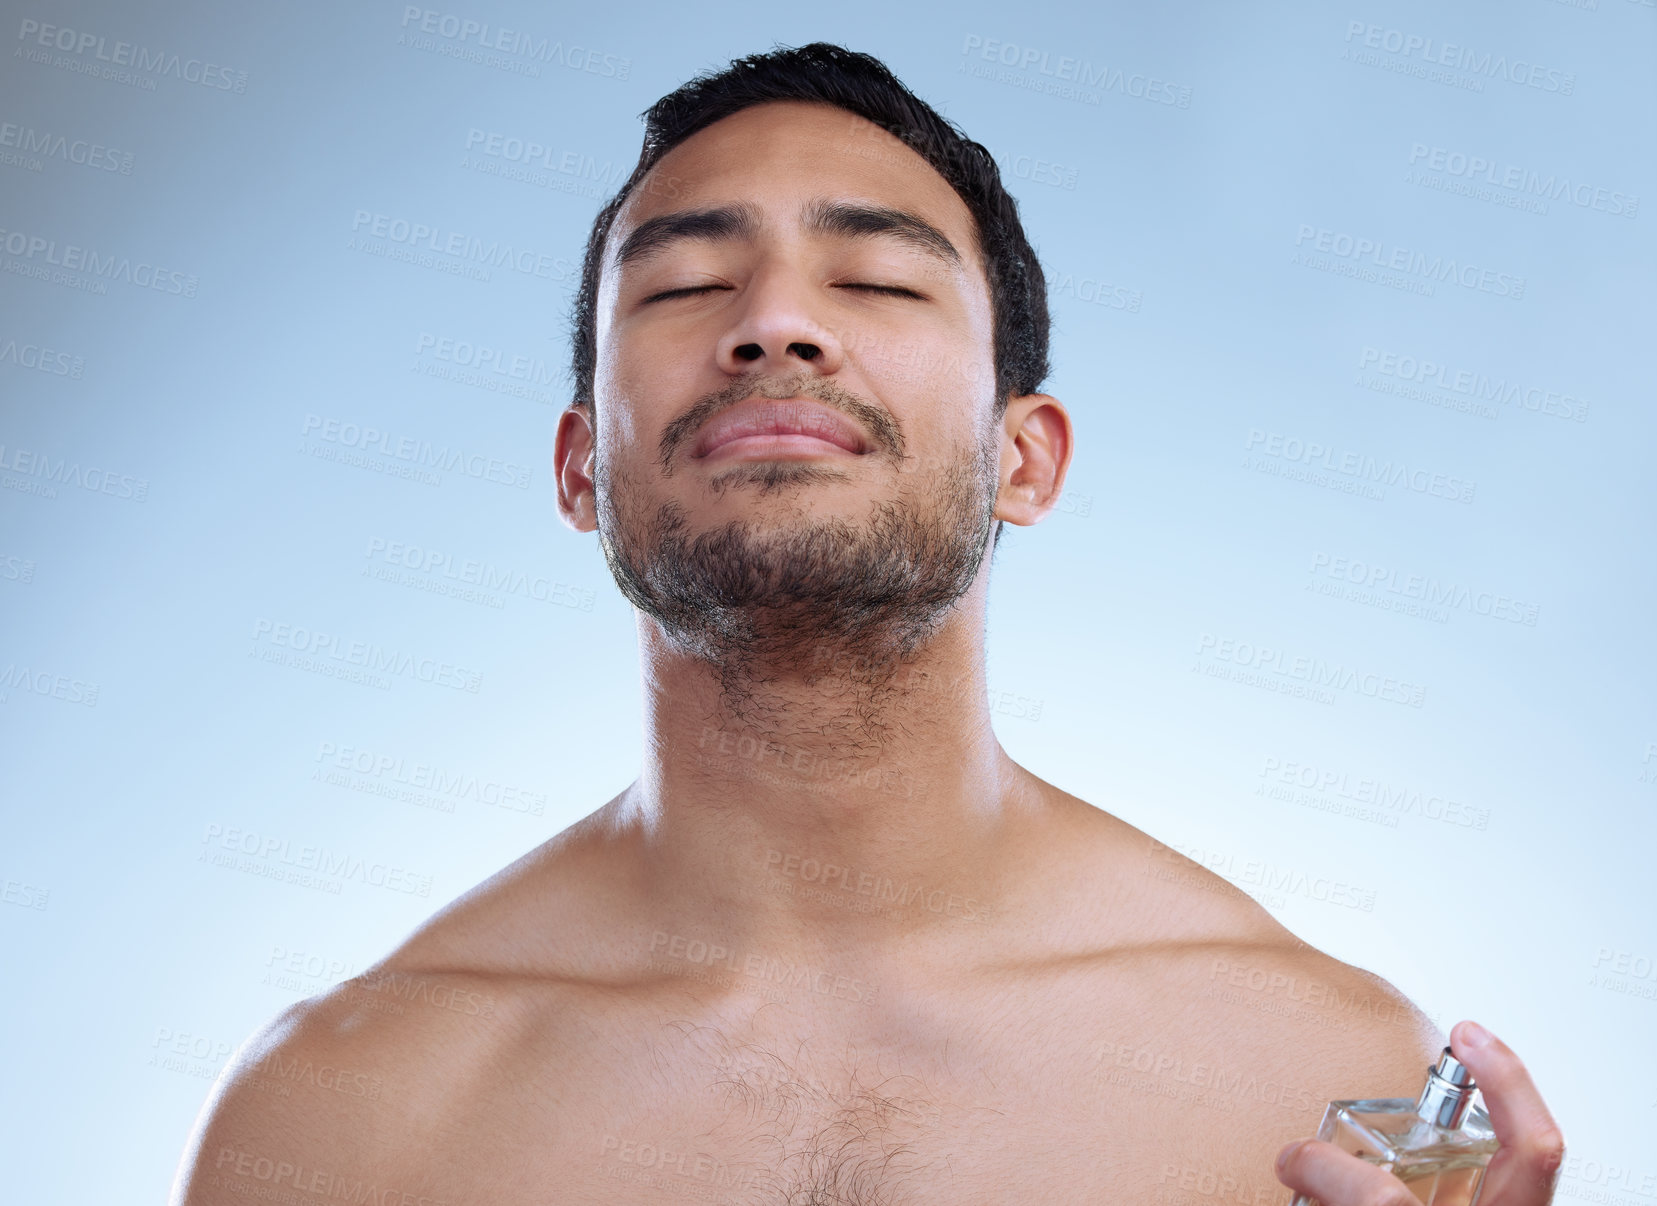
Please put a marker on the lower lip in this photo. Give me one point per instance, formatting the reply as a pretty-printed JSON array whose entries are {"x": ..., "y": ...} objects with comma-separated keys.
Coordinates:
[{"x": 778, "y": 447}]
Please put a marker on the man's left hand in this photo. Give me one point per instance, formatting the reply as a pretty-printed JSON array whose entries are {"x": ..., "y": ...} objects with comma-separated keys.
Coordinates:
[{"x": 1522, "y": 1173}]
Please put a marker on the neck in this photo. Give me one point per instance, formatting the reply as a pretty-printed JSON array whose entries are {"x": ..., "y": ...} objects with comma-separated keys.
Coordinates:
[{"x": 834, "y": 807}]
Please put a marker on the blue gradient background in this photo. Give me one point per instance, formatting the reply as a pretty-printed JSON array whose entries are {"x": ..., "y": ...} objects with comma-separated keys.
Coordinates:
[{"x": 134, "y": 965}]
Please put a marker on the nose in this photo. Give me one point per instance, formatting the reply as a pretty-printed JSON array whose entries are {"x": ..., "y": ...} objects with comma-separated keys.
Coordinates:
[{"x": 775, "y": 330}]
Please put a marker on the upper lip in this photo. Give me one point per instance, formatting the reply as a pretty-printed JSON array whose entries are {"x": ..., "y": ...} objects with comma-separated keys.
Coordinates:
[{"x": 788, "y": 416}]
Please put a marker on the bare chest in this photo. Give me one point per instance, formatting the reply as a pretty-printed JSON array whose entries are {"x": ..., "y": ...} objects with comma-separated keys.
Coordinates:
[{"x": 762, "y": 1115}]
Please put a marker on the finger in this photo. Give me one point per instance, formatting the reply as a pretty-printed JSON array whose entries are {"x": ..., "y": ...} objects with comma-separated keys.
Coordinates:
[
  {"x": 1322, "y": 1171},
  {"x": 1533, "y": 1146}
]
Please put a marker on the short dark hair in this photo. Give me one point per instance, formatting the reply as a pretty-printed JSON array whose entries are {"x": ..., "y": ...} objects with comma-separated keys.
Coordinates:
[{"x": 861, "y": 84}]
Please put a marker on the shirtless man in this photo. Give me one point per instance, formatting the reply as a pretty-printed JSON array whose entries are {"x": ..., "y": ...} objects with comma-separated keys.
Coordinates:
[{"x": 833, "y": 945}]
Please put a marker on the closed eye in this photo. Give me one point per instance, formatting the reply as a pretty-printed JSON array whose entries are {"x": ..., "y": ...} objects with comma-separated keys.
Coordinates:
[
  {"x": 895, "y": 290},
  {"x": 681, "y": 292}
]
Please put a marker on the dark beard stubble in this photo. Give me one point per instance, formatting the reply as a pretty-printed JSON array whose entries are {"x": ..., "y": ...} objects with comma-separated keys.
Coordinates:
[{"x": 820, "y": 597}]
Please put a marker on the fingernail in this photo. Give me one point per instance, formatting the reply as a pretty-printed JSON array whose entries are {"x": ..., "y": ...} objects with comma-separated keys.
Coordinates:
[
  {"x": 1289, "y": 1150},
  {"x": 1475, "y": 1035}
]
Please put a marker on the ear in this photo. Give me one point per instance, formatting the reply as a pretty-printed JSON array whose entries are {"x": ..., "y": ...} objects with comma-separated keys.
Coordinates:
[
  {"x": 1036, "y": 446},
  {"x": 572, "y": 464}
]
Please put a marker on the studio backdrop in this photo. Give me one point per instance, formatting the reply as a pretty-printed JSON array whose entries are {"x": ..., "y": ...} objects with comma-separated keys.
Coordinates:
[{"x": 1350, "y": 596}]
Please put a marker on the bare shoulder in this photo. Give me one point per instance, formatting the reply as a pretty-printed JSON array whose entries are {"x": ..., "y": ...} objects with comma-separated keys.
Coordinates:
[
  {"x": 353, "y": 1090},
  {"x": 347, "y": 1088},
  {"x": 1128, "y": 889},
  {"x": 1225, "y": 1006},
  {"x": 537, "y": 917},
  {"x": 1334, "y": 1014}
]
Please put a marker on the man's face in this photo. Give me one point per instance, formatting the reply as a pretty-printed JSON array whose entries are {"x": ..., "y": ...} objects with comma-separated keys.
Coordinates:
[{"x": 737, "y": 304}]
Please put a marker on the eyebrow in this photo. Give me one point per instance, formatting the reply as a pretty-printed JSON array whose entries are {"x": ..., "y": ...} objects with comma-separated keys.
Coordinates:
[{"x": 740, "y": 221}]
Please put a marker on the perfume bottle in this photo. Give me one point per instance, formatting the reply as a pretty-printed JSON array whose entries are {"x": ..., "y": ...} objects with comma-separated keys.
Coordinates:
[{"x": 1439, "y": 1145}]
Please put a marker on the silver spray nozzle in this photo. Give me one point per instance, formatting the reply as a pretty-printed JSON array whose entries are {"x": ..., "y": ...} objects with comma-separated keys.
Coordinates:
[{"x": 1448, "y": 1093}]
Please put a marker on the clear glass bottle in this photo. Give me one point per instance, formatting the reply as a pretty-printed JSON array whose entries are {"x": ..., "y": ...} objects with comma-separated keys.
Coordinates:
[{"x": 1438, "y": 1145}]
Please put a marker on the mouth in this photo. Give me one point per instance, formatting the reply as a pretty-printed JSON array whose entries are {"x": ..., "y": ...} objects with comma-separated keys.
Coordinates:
[{"x": 790, "y": 427}]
